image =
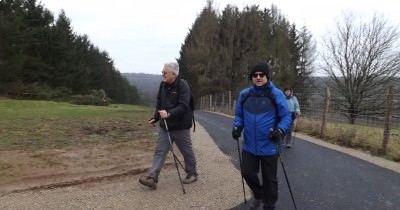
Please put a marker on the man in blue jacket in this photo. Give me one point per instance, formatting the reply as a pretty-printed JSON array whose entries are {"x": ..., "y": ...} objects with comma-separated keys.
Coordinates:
[{"x": 262, "y": 113}]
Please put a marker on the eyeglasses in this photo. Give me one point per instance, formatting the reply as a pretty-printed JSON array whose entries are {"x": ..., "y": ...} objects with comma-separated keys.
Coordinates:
[
  {"x": 255, "y": 75},
  {"x": 164, "y": 72}
]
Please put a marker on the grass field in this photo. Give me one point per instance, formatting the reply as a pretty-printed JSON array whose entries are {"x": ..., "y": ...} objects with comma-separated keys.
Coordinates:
[
  {"x": 43, "y": 124},
  {"x": 366, "y": 138},
  {"x": 43, "y": 142}
]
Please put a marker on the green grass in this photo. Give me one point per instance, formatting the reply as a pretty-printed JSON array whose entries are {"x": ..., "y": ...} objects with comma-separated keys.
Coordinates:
[
  {"x": 22, "y": 109},
  {"x": 4, "y": 166},
  {"x": 26, "y": 124}
]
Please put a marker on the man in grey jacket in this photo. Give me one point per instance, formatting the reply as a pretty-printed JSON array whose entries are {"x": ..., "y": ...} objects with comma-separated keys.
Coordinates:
[{"x": 173, "y": 106}]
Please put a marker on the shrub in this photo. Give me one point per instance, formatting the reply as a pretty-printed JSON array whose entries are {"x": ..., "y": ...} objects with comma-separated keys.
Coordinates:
[
  {"x": 87, "y": 100},
  {"x": 96, "y": 97},
  {"x": 345, "y": 137},
  {"x": 310, "y": 127}
]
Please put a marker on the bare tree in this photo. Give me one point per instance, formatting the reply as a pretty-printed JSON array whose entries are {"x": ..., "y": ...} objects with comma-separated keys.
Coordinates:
[{"x": 360, "y": 58}]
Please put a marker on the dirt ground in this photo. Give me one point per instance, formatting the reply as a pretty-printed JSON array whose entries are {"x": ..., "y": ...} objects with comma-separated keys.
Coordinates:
[
  {"x": 113, "y": 183},
  {"x": 50, "y": 168}
]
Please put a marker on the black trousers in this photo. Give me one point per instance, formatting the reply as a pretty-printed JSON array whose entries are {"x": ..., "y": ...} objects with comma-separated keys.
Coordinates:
[{"x": 267, "y": 191}]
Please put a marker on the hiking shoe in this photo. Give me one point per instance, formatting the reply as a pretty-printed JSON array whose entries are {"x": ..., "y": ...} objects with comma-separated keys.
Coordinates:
[
  {"x": 189, "y": 179},
  {"x": 255, "y": 204},
  {"x": 148, "y": 181}
]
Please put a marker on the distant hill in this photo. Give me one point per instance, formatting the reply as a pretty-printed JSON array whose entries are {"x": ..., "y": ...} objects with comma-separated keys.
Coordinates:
[{"x": 146, "y": 84}]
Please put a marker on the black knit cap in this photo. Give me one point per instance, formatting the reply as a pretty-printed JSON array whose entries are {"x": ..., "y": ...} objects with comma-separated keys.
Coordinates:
[{"x": 260, "y": 67}]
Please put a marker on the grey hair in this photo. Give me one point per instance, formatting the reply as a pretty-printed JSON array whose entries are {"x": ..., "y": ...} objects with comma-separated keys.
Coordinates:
[{"x": 172, "y": 66}]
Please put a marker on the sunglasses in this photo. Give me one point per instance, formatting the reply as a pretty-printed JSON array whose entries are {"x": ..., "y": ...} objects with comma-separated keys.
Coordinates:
[{"x": 258, "y": 74}]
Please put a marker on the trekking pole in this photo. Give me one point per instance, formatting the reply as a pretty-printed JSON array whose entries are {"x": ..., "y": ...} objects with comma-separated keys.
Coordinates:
[
  {"x": 287, "y": 180},
  {"x": 294, "y": 131},
  {"x": 240, "y": 165},
  {"x": 175, "y": 158},
  {"x": 170, "y": 142}
]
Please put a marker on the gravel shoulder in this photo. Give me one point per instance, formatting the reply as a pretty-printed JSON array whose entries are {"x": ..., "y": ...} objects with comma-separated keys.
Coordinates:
[{"x": 218, "y": 187}]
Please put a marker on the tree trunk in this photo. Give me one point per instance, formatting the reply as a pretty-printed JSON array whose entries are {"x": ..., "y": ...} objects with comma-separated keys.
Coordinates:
[
  {"x": 388, "y": 120},
  {"x": 326, "y": 111}
]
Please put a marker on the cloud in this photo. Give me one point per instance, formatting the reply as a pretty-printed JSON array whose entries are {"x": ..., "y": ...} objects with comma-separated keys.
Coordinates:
[{"x": 141, "y": 35}]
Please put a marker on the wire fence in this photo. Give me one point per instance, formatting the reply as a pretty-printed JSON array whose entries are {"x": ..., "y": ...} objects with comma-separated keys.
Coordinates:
[{"x": 326, "y": 112}]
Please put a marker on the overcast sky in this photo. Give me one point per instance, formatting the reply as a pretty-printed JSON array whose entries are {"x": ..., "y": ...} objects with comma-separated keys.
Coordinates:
[{"x": 140, "y": 36}]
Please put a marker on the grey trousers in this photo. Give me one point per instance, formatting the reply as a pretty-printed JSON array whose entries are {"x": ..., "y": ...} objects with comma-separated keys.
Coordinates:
[
  {"x": 288, "y": 137},
  {"x": 183, "y": 141}
]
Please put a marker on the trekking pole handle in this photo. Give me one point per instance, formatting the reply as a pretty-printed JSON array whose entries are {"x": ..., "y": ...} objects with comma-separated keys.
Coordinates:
[{"x": 166, "y": 126}]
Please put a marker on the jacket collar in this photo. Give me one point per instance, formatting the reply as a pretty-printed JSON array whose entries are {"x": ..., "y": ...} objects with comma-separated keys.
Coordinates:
[{"x": 267, "y": 85}]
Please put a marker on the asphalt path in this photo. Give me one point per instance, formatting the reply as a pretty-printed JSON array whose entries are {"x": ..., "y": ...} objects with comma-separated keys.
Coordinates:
[{"x": 320, "y": 178}]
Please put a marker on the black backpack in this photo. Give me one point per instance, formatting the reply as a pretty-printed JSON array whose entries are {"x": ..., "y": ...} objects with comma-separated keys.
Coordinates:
[{"x": 191, "y": 102}]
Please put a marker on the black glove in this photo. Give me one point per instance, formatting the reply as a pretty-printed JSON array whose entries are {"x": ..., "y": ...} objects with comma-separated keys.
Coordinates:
[
  {"x": 276, "y": 135},
  {"x": 236, "y": 132}
]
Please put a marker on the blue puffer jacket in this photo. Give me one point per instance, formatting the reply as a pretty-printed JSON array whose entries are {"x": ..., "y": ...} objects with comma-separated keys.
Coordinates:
[{"x": 257, "y": 115}]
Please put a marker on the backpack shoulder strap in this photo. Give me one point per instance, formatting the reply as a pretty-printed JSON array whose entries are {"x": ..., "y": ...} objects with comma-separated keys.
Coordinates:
[
  {"x": 265, "y": 93},
  {"x": 159, "y": 90},
  {"x": 191, "y": 102},
  {"x": 245, "y": 97}
]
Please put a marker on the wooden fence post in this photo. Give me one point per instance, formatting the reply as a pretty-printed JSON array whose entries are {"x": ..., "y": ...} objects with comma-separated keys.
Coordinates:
[
  {"x": 215, "y": 102},
  {"x": 202, "y": 102},
  {"x": 210, "y": 103},
  {"x": 388, "y": 119},
  {"x": 223, "y": 104},
  {"x": 326, "y": 111}
]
